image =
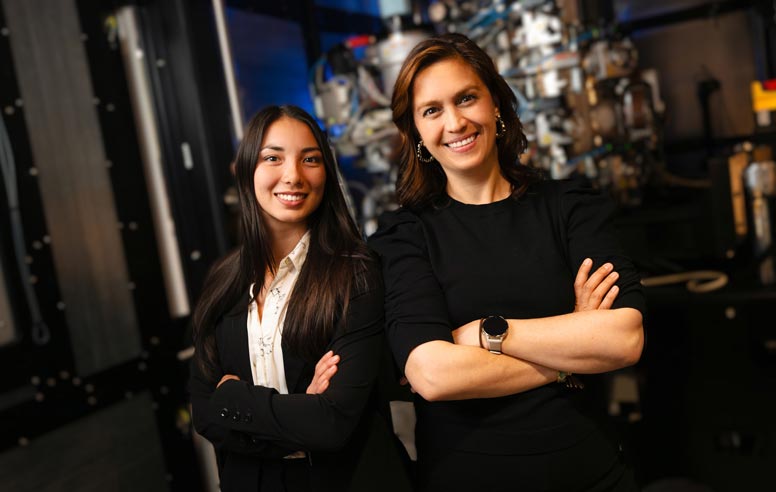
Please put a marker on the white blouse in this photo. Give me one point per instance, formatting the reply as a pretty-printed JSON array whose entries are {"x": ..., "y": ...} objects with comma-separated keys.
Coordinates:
[{"x": 265, "y": 331}]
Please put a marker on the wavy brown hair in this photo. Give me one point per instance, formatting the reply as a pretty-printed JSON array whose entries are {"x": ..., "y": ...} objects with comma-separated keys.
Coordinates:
[
  {"x": 419, "y": 183},
  {"x": 335, "y": 264}
]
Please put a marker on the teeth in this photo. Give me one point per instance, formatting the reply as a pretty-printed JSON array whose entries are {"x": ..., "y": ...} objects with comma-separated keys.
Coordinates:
[
  {"x": 461, "y": 143},
  {"x": 290, "y": 198}
]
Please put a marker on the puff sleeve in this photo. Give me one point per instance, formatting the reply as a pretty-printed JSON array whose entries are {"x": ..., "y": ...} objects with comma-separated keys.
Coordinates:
[
  {"x": 415, "y": 307},
  {"x": 588, "y": 230}
]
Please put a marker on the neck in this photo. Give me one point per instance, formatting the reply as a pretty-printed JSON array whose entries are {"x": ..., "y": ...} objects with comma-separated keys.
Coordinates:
[
  {"x": 478, "y": 190},
  {"x": 284, "y": 240}
]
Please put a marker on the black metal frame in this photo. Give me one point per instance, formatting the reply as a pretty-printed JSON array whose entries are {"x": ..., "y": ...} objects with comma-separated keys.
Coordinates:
[{"x": 41, "y": 391}]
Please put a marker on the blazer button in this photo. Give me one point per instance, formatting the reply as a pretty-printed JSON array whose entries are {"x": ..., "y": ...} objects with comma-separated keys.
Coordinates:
[
  {"x": 255, "y": 440},
  {"x": 224, "y": 412},
  {"x": 236, "y": 417},
  {"x": 248, "y": 418}
]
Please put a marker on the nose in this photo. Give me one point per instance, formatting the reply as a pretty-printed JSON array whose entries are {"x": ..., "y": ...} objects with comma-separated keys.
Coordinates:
[
  {"x": 454, "y": 120},
  {"x": 291, "y": 174}
]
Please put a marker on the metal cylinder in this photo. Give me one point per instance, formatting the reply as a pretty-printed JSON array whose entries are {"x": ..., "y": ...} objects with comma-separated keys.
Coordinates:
[
  {"x": 150, "y": 148},
  {"x": 391, "y": 53},
  {"x": 760, "y": 183}
]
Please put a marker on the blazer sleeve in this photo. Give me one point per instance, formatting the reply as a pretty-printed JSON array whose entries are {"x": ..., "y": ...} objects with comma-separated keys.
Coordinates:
[
  {"x": 415, "y": 305},
  {"x": 322, "y": 422},
  {"x": 208, "y": 422}
]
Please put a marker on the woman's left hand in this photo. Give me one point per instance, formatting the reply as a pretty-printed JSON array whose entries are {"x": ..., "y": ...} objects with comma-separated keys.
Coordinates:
[
  {"x": 596, "y": 291},
  {"x": 325, "y": 369}
]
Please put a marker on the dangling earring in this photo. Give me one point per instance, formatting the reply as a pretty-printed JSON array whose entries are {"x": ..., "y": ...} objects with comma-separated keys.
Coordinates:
[
  {"x": 419, "y": 153},
  {"x": 502, "y": 128}
]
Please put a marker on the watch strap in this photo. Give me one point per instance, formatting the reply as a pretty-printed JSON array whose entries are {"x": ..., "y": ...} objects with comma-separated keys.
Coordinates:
[{"x": 494, "y": 344}]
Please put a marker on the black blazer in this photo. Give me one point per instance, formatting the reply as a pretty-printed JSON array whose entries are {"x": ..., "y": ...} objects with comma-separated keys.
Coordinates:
[{"x": 346, "y": 431}]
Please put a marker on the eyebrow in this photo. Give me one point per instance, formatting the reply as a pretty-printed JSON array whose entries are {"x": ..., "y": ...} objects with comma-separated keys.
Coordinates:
[
  {"x": 432, "y": 102},
  {"x": 281, "y": 149}
]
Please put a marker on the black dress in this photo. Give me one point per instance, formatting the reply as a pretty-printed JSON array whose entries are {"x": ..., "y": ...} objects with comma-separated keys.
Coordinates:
[{"x": 445, "y": 266}]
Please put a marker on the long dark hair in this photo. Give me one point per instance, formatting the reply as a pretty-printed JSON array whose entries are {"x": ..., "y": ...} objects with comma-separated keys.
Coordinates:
[
  {"x": 420, "y": 183},
  {"x": 335, "y": 260}
]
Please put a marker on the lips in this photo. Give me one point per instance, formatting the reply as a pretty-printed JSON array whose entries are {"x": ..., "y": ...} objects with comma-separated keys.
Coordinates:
[{"x": 463, "y": 143}]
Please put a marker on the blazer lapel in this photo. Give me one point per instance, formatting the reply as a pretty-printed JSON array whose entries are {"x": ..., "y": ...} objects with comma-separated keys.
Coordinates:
[
  {"x": 240, "y": 331},
  {"x": 294, "y": 366}
]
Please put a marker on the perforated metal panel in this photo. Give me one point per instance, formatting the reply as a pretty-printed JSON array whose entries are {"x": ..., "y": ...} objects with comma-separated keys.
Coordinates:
[{"x": 67, "y": 146}]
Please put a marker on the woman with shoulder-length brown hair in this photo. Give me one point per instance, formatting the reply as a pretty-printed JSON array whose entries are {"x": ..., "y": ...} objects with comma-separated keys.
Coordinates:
[
  {"x": 490, "y": 299},
  {"x": 289, "y": 328},
  {"x": 420, "y": 180}
]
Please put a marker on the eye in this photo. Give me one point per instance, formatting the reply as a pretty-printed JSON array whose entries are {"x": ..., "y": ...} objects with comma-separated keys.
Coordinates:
[
  {"x": 430, "y": 111},
  {"x": 271, "y": 158},
  {"x": 466, "y": 98},
  {"x": 313, "y": 160}
]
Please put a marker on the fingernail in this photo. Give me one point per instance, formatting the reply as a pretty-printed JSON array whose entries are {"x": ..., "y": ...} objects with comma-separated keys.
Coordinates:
[{"x": 587, "y": 262}]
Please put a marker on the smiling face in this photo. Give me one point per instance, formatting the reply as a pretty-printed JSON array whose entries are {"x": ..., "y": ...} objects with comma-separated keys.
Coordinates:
[
  {"x": 455, "y": 116},
  {"x": 290, "y": 176}
]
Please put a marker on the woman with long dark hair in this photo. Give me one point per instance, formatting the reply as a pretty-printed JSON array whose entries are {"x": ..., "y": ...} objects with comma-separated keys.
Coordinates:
[
  {"x": 288, "y": 329},
  {"x": 490, "y": 304}
]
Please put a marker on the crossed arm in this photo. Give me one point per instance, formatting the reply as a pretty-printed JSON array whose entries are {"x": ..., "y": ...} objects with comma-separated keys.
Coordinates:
[
  {"x": 263, "y": 422},
  {"x": 592, "y": 339},
  {"x": 325, "y": 369}
]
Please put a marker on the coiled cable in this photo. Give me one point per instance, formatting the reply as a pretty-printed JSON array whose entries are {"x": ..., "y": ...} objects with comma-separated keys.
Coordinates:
[{"x": 699, "y": 281}]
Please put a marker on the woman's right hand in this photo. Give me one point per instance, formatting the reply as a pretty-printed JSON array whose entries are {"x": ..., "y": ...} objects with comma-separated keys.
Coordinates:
[
  {"x": 596, "y": 291},
  {"x": 324, "y": 371}
]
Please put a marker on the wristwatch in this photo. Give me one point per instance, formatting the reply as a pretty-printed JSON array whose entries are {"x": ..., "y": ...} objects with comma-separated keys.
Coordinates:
[{"x": 493, "y": 329}]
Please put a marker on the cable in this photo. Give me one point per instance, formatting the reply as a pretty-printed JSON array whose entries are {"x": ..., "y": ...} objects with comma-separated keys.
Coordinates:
[
  {"x": 40, "y": 331},
  {"x": 343, "y": 185},
  {"x": 368, "y": 84},
  {"x": 699, "y": 281}
]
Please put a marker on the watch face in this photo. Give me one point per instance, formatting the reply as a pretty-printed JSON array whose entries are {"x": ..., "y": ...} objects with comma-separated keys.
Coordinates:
[{"x": 494, "y": 325}]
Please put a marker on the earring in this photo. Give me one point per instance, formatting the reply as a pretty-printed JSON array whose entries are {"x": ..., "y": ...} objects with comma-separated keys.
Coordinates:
[
  {"x": 419, "y": 153},
  {"x": 502, "y": 127}
]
